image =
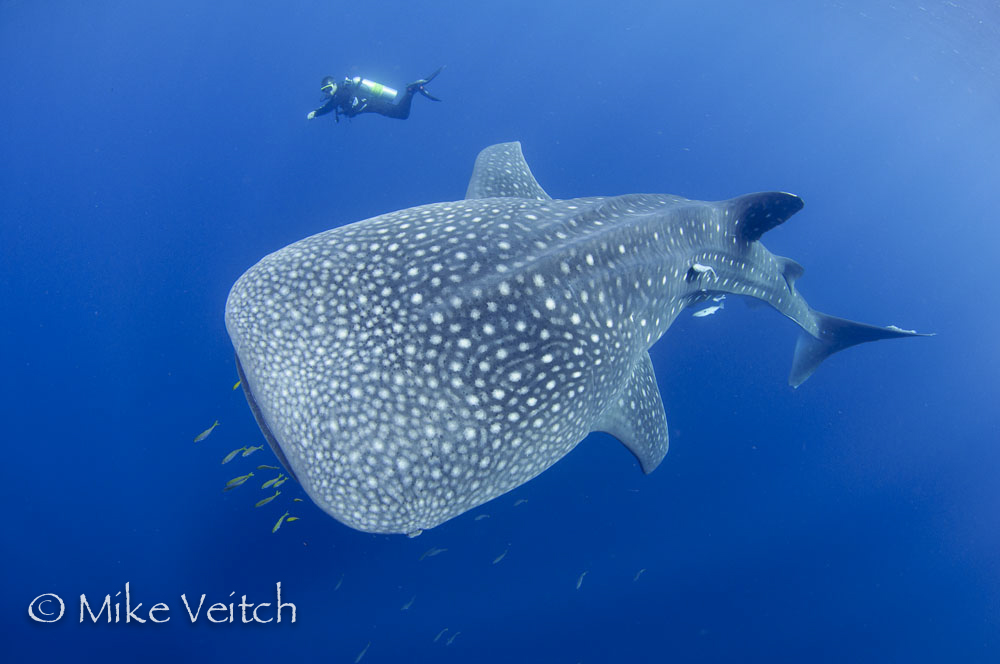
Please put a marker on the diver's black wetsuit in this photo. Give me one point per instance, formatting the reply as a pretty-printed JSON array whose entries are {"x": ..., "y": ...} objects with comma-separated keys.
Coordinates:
[{"x": 351, "y": 97}]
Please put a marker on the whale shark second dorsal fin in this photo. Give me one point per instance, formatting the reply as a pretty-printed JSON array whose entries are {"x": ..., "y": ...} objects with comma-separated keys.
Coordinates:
[
  {"x": 501, "y": 172},
  {"x": 790, "y": 270},
  {"x": 756, "y": 214}
]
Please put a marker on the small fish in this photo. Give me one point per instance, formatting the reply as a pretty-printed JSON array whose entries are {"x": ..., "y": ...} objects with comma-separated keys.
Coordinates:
[
  {"x": 291, "y": 518},
  {"x": 452, "y": 639},
  {"x": 362, "y": 653},
  {"x": 237, "y": 383},
  {"x": 500, "y": 557},
  {"x": 232, "y": 455},
  {"x": 337, "y": 587},
  {"x": 579, "y": 582},
  {"x": 520, "y": 501},
  {"x": 440, "y": 634},
  {"x": 264, "y": 466},
  {"x": 280, "y": 521},
  {"x": 280, "y": 481},
  {"x": 719, "y": 298},
  {"x": 638, "y": 574},
  {"x": 268, "y": 499},
  {"x": 707, "y": 311},
  {"x": 430, "y": 553},
  {"x": 247, "y": 451},
  {"x": 481, "y": 517},
  {"x": 704, "y": 269},
  {"x": 271, "y": 481},
  {"x": 296, "y": 500},
  {"x": 236, "y": 481},
  {"x": 406, "y": 607},
  {"x": 204, "y": 434}
]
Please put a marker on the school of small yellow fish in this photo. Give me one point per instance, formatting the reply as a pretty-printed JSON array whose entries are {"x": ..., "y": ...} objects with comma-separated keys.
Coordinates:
[
  {"x": 240, "y": 480},
  {"x": 286, "y": 517}
]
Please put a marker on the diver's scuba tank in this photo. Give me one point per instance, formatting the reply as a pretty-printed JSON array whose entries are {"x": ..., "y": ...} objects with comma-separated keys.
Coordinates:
[{"x": 374, "y": 90}]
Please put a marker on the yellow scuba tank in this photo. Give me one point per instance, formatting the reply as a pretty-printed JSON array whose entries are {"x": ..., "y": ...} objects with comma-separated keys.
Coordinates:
[{"x": 373, "y": 90}]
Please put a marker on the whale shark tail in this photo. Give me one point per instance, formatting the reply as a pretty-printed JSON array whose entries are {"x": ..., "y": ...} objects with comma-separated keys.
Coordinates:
[{"x": 835, "y": 334}]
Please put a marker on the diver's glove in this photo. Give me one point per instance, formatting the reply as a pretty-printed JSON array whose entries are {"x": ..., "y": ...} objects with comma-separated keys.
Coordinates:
[{"x": 311, "y": 115}]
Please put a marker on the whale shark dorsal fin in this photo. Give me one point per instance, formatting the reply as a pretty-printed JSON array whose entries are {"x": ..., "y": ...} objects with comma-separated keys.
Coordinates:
[
  {"x": 501, "y": 172},
  {"x": 790, "y": 270},
  {"x": 756, "y": 214},
  {"x": 637, "y": 419}
]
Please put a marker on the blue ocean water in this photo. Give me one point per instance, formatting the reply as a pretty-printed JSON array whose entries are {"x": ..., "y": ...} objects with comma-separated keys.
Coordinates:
[{"x": 151, "y": 152}]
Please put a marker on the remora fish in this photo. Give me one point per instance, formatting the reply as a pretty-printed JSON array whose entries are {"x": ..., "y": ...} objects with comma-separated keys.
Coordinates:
[
  {"x": 707, "y": 311},
  {"x": 412, "y": 366}
]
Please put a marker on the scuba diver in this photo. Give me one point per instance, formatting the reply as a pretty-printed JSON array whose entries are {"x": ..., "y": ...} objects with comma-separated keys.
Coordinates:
[{"x": 357, "y": 95}]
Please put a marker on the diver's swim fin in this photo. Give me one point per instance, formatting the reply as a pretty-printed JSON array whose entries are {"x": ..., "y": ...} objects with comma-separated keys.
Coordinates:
[
  {"x": 425, "y": 81},
  {"x": 418, "y": 85}
]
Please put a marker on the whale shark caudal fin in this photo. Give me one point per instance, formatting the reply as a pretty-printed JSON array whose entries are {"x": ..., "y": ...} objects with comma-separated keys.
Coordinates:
[
  {"x": 637, "y": 418},
  {"x": 836, "y": 334},
  {"x": 755, "y": 214},
  {"x": 502, "y": 172}
]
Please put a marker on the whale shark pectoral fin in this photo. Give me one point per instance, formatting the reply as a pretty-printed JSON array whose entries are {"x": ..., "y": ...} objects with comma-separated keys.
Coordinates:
[
  {"x": 636, "y": 417},
  {"x": 502, "y": 172},
  {"x": 836, "y": 334}
]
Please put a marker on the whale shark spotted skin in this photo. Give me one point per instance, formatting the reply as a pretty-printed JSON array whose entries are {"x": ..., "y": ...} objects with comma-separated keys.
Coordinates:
[{"x": 409, "y": 367}]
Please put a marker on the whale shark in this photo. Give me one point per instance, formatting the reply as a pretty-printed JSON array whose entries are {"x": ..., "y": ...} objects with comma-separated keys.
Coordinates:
[{"x": 412, "y": 366}]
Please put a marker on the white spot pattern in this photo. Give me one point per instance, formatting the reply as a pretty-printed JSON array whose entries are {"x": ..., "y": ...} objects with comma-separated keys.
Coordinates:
[{"x": 420, "y": 363}]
